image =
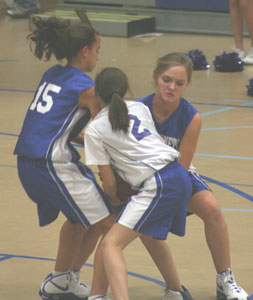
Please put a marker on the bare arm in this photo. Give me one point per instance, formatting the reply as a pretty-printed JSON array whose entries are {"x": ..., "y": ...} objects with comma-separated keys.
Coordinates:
[
  {"x": 108, "y": 181},
  {"x": 87, "y": 99},
  {"x": 188, "y": 143},
  {"x": 79, "y": 139}
]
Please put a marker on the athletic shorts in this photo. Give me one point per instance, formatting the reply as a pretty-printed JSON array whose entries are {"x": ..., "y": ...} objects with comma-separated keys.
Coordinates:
[
  {"x": 67, "y": 187},
  {"x": 160, "y": 205},
  {"x": 197, "y": 183}
]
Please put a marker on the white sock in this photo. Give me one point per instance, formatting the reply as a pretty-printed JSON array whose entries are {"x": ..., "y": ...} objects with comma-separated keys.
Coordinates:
[
  {"x": 97, "y": 297},
  {"x": 55, "y": 273}
]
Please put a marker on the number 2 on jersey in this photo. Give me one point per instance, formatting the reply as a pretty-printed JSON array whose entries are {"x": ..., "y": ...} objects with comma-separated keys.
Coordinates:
[
  {"x": 43, "y": 102},
  {"x": 139, "y": 135}
]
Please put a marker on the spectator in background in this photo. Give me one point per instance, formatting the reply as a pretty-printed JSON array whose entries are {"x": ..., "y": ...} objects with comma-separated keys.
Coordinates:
[
  {"x": 240, "y": 9},
  {"x": 21, "y": 8}
]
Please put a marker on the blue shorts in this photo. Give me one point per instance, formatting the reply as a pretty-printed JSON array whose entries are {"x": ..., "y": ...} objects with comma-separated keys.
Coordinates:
[
  {"x": 67, "y": 187},
  {"x": 160, "y": 205}
]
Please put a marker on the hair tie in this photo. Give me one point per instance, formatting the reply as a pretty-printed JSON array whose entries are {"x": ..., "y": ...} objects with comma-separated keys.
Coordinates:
[{"x": 116, "y": 93}]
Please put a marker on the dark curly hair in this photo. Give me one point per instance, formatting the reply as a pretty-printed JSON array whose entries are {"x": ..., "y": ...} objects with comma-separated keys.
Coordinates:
[{"x": 60, "y": 37}]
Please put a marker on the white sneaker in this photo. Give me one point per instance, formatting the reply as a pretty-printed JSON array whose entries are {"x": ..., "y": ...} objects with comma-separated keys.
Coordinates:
[
  {"x": 177, "y": 295},
  {"x": 21, "y": 11},
  {"x": 78, "y": 287},
  {"x": 227, "y": 288},
  {"x": 248, "y": 60},
  {"x": 240, "y": 53},
  {"x": 63, "y": 287}
]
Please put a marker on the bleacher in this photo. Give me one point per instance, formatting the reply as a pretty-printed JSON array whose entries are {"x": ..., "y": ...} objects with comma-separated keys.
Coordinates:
[{"x": 126, "y": 18}]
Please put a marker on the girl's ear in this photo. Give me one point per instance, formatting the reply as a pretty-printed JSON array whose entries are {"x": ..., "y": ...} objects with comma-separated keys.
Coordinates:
[{"x": 84, "y": 51}]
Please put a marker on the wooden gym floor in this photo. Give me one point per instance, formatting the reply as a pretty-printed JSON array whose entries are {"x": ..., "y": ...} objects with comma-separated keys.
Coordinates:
[{"x": 224, "y": 157}]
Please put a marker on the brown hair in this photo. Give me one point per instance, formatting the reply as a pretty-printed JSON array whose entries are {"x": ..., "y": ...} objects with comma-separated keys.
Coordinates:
[
  {"x": 111, "y": 84},
  {"x": 60, "y": 37},
  {"x": 171, "y": 60}
]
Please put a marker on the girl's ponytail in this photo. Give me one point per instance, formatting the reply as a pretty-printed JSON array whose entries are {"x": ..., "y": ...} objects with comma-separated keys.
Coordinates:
[{"x": 118, "y": 113}]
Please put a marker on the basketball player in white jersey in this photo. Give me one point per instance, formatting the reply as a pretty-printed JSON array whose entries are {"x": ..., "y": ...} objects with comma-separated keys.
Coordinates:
[{"x": 123, "y": 135}]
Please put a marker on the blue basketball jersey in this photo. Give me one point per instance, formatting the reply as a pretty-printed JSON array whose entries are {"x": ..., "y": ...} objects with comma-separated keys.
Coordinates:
[
  {"x": 173, "y": 128},
  {"x": 54, "y": 116}
]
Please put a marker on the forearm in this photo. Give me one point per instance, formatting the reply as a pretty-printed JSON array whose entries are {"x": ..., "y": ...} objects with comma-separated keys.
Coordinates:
[
  {"x": 110, "y": 191},
  {"x": 79, "y": 139}
]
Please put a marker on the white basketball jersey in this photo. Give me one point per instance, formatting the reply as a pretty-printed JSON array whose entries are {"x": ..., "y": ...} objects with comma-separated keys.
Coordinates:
[{"x": 135, "y": 155}]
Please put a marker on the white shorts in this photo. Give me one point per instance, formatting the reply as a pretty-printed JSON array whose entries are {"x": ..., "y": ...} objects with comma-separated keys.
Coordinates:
[{"x": 67, "y": 187}]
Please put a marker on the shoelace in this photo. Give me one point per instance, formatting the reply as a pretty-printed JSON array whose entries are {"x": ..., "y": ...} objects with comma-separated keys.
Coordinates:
[
  {"x": 232, "y": 284},
  {"x": 77, "y": 287}
]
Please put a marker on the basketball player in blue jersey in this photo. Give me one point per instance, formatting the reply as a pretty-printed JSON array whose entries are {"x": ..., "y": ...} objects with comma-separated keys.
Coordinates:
[
  {"x": 122, "y": 137},
  {"x": 179, "y": 124},
  {"x": 48, "y": 164}
]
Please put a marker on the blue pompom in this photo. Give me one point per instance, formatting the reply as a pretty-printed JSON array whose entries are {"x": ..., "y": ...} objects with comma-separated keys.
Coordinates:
[
  {"x": 228, "y": 62},
  {"x": 250, "y": 87},
  {"x": 198, "y": 60}
]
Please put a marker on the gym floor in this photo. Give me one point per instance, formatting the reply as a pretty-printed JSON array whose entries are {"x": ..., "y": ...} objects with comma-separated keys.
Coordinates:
[{"x": 224, "y": 157}]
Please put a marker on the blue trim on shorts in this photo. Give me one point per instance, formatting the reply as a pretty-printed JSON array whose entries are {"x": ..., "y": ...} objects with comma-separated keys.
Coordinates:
[
  {"x": 71, "y": 203},
  {"x": 198, "y": 183}
]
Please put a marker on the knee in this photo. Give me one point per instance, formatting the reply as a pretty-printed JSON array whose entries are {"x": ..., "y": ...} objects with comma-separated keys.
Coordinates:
[
  {"x": 212, "y": 214},
  {"x": 208, "y": 210}
]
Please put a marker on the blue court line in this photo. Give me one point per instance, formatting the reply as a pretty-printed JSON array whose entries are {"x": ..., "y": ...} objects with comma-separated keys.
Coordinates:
[
  {"x": 8, "y": 60},
  {"x": 228, "y": 187},
  {"x": 20, "y": 91},
  {"x": 240, "y": 184},
  {"x": 5, "y": 256},
  {"x": 236, "y": 100},
  {"x": 147, "y": 278},
  {"x": 227, "y": 108},
  {"x": 223, "y": 156},
  {"x": 10, "y": 134},
  {"x": 216, "y": 111},
  {"x": 8, "y": 166},
  {"x": 220, "y": 104},
  {"x": 227, "y": 128},
  {"x": 237, "y": 209}
]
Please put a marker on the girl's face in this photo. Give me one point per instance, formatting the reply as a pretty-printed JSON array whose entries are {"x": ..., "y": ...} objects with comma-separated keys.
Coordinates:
[
  {"x": 92, "y": 55},
  {"x": 171, "y": 84}
]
